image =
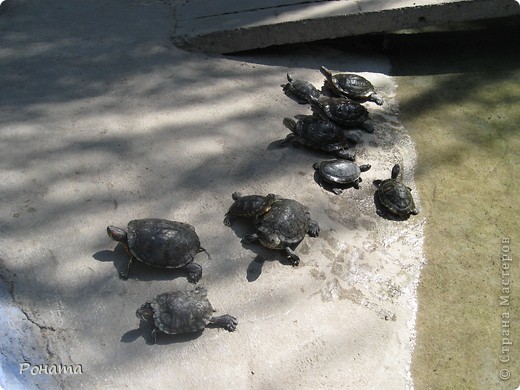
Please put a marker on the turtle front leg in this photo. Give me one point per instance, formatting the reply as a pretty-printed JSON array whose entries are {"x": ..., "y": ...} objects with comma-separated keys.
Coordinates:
[
  {"x": 292, "y": 256},
  {"x": 356, "y": 183},
  {"x": 226, "y": 321},
  {"x": 194, "y": 271},
  {"x": 124, "y": 274}
]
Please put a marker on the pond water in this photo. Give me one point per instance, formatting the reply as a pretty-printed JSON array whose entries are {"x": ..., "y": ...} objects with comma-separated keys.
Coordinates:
[{"x": 459, "y": 97}]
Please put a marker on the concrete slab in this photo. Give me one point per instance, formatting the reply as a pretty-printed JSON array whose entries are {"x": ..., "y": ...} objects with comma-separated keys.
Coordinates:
[
  {"x": 230, "y": 26},
  {"x": 103, "y": 120}
]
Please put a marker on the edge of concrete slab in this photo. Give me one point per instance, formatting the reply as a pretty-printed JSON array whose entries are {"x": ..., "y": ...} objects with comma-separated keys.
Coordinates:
[{"x": 305, "y": 22}]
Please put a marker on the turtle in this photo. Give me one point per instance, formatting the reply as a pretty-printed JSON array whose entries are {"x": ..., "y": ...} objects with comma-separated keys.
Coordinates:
[
  {"x": 344, "y": 112},
  {"x": 283, "y": 227},
  {"x": 300, "y": 89},
  {"x": 395, "y": 196},
  {"x": 160, "y": 243},
  {"x": 351, "y": 85},
  {"x": 178, "y": 312},
  {"x": 317, "y": 133},
  {"x": 248, "y": 206},
  {"x": 340, "y": 172}
]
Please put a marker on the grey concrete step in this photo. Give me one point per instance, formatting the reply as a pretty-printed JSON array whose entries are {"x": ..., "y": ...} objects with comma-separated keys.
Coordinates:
[{"x": 236, "y": 25}]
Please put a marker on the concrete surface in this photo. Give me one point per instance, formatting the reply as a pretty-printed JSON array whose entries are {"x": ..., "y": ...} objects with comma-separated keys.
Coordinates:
[
  {"x": 103, "y": 121},
  {"x": 237, "y": 25}
]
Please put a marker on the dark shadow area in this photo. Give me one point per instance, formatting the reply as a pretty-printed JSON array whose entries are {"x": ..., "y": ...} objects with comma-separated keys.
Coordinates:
[
  {"x": 138, "y": 269},
  {"x": 477, "y": 49},
  {"x": 359, "y": 52},
  {"x": 254, "y": 269},
  {"x": 243, "y": 226},
  {"x": 134, "y": 334},
  {"x": 145, "y": 331}
]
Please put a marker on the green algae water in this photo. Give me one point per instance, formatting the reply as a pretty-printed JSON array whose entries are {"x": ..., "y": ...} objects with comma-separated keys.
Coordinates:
[{"x": 459, "y": 97}]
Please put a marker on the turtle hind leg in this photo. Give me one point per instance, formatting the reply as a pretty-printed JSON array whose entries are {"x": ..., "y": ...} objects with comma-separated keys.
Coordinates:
[
  {"x": 194, "y": 271},
  {"x": 226, "y": 321},
  {"x": 292, "y": 256}
]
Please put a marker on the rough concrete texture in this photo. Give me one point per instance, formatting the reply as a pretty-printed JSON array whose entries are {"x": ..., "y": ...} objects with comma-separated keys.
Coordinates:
[
  {"x": 243, "y": 25},
  {"x": 103, "y": 121}
]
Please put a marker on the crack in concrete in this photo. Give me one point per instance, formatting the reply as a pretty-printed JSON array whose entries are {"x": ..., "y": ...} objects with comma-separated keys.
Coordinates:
[{"x": 42, "y": 327}]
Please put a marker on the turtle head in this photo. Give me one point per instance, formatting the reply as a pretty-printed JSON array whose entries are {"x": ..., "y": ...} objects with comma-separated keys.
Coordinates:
[
  {"x": 145, "y": 313},
  {"x": 395, "y": 171},
  {"x": 270, "y": 199},
  {"x": 376, "y": 99},
  {"x": 117, "y": 234},
  {"x": 269, "y": 239},
  {"x": 327, "y": 73},
  {"x": 290, "y": 124}
]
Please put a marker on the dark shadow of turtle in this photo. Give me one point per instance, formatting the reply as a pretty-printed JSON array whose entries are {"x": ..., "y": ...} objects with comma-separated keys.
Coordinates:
[
  {"x": 145, "y": 330},
  {"x": 139, "y": 270},
  {"x": 244, "y": 226}
]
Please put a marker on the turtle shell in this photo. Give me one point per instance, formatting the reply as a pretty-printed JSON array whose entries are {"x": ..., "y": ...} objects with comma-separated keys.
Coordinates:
[
  {"x": 162, "y": 243},
  {"x": 285, "y": 224},
  {"x": 318, "y": 133},
  {"x": 300, "y": 89},
  {"x": 351, "y": 85},
  {"x": 181, "y": 311},
  {"x": 339, "y": 171},
  {"x": 248, "y": 206},
  {"x": 344, "y": 112},
  {"x": 395, "y": 196}
]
